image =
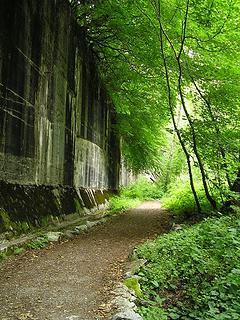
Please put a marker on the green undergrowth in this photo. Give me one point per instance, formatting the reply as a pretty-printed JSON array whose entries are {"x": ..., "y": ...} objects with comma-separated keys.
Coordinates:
[
  {"x": 121, "y": 203},
  {"x": 179, "y": 198},
  {"x": 132, "y": 195},
  {"x": 143, "y": 189},
  {"x": 193, "y": 273},
  {"x": 39, "y": 243}
]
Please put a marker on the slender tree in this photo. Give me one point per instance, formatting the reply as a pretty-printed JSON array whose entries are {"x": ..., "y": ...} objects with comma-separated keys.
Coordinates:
[{"x": 154, "y": 55}]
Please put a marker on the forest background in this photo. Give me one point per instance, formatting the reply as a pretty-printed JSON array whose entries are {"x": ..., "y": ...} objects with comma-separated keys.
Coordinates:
[
  {"x": 172, "y": 71},
  {"x": 172, "y": 68}
]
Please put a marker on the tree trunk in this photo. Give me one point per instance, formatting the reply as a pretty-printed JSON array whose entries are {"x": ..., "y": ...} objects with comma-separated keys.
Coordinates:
[
  {"x": 236, "y": 185},
  {"x": 172, "y": 112}
]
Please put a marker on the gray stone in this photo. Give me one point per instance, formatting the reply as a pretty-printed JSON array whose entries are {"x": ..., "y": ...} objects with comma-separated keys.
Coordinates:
[
  {"x": 69, "y": 234},
  {"x": 122, "y": 291},
  {"x": 123, "y": 303},
  {"x": 127, "y": 315},
  {"x": 3, "y": 247},
  {"x": 103, "y": 220},
  {"x": 129, "y": 274},
  {"x": 53, "y": 236},
  {"x": 133, "y": 255},
  {"x": 176, "y": 227},
  {"x": 91, "y": 224},
  {"x": 79, "y": 229},
  {"x": 101, "y": 206},
  {"x": 134, "y": 267}
]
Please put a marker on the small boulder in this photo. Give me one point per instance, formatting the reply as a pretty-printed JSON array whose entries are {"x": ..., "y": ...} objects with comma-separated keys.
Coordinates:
[
  {"x": 127, "y": 315},
  {"x": 91, "y": 224},
  {"x": 69, "y": 234},
  {"x": 53, "y": 236},
  {"x": 123, "y": 303},
  {"x": 80, "y": 229},
  {"x": 136, "y": 265},
  {"x": 176, "y": 227}
]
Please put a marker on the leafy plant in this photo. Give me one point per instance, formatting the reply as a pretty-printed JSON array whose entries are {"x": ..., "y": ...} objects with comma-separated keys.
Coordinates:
[
  {"x": 40, "y": 242},
  {"x": 3, "y": 256},
  {"x": 18, "y": 250},
  {"x": 194, "y": 273}
]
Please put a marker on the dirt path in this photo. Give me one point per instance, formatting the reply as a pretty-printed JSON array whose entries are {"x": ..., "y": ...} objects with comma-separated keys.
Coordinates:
[{"x": 72, "y": 280}]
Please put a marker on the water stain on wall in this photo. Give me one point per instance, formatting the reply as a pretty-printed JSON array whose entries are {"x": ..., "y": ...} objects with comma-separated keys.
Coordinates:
[{"x": 58, "y": 149}]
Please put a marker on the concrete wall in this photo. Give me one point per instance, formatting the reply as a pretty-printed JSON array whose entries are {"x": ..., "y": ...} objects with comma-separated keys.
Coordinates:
[{"x": 56, "y": 136}]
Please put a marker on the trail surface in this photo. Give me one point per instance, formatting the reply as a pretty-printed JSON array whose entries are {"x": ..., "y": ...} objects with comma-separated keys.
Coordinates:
[{"x": 73, "y": 280}]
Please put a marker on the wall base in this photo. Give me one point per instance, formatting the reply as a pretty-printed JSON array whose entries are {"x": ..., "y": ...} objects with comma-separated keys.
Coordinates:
[{"x": 26, "y": 206}]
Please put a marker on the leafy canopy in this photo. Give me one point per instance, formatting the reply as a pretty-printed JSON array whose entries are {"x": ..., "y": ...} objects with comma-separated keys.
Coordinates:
[{"x": 150, "y": 51}]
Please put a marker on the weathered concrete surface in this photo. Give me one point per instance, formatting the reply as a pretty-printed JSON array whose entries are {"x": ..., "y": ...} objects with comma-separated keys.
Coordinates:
[
  {"x": 24, "y": 206},
  {"x": 55, "y": 118}
]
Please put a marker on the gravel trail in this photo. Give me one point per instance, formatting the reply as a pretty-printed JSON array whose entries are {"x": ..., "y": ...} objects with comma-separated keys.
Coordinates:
[{"x": 72, "y": 280}]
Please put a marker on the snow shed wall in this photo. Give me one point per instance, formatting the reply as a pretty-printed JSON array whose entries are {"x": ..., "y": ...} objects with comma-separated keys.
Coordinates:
[{"x": 58, "y": 150}]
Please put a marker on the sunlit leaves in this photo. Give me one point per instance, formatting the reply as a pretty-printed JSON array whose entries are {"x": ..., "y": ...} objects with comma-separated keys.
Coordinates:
[{"x": 125, "y": 37}]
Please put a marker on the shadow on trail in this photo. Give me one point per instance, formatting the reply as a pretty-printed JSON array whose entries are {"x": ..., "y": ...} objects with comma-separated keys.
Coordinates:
[
  {"x": 70, "y": 280},
  {"x": 134, "y": 225}
]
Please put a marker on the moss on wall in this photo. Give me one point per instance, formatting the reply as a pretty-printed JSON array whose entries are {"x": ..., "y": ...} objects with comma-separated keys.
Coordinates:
[{"x": 56, "y": 134}]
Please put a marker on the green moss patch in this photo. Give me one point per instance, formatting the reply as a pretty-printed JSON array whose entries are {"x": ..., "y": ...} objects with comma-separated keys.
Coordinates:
[{"x": 132, "y": 284}]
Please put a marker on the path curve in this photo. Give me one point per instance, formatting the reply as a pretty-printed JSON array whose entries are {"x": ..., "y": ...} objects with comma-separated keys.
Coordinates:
[{"x": 72, "y": 280}]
